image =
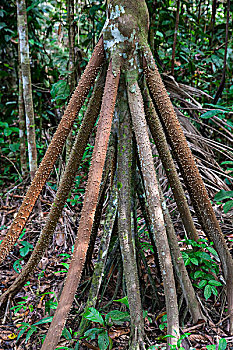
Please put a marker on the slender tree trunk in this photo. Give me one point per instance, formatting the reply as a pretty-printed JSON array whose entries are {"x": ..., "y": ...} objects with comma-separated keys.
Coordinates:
[
  {"x": 222, "y": 82},
  {"x": 22, "y": 124},
  {"x": 169, "y": 165},
  {"x": 175, "y": 36},
  {"x": 72, "y": 75},
  {"x": 124, "y": 223},
  {"x": 179, "y": 266},
  {"x": 27, "y": 87},
  {"x": 98, "y": 273},
  {"x": 153, "y": 198}
]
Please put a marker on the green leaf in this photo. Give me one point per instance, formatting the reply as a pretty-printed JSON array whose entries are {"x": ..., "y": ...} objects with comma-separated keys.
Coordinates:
[
  {"x": 60, "y": 90},
  {"x": 159, "y": 34},
  {"x": 202, "y": 283},
  {"x": 214, "y": 283},
  {"x": 21, "y": 332},
  {"x": 2, "y": 25},
  {"x": 92, "y": 333},
  {"x": 66, "y": 334},
  {"x": 7, "y": 132},
  {"x": 65, "y": 265},
  {"x": 76, "y": 346},
  {"x": 222, "y": 345},
  {"x": 214, "y": 290},
  {"x": 210, "y": 113},
  {"x": 194, "y": 261},
  {"x": 17, "y": 266},
  {"x": 116, "y": 316},
  {"x": 212, "y": 250},
  {"x": 123, "y": 301},
  {"x": 29, "y": 333},
  {"x": 207, "y": 291},
  {"x": 198, "y": 274},
  {"x": 210, "y": 347},
  {"x": 227, "y": 206},
  {"x": 103, "y": 340},
  {"x": 222, "y": 194},
  {"x": 26, "y": 248},
  {"x": 227, "y": 162},
  {"x": 44, "y": 320},
  {"x": 93, "y": 315}
]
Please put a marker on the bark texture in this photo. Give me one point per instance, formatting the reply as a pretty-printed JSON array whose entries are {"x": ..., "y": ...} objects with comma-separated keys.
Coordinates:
[
  {"x": 153, "y": 198},
  {"x": 179, "y": 266},
  {"x": 88, "y": 211},
  {"x": 72, "y": 75},
  {"x": 124, "y": 223},
  {"x": 102, "y": 257},
  {"x": 27, "y": 86},
  {"x": 53, "y": 150},
  {"x": 169, "y": 165},
  {"x": 191, "y": 175},
  {"x": 22, "y": 123}
]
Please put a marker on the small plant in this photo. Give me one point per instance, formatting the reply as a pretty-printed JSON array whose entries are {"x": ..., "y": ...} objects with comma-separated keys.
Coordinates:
[
  {"x": 113, "y": 317},
  {"x": 225, "y": 197},
  {"x": 21, "y": 305},
  {"x": 23, "y": 251},
  {"x": 163, "y": 323},
  {"x": 175, "y": 346},
  {"x": 50, "y": 304},
  {"x": 30, "y": 329},
  {"x": 203, "y": 267},
  {"x": 222, "y": 344}
]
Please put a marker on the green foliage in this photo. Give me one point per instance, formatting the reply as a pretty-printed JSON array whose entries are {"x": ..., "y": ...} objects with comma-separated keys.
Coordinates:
[
  {"x": 222, "y": 195},
  {"x": 163, "y": 323},
  {"x": 60, "y": 91},
  {"x": 203, "y": 267},
  {"x": 23, "y": 251},
  {"x": 30, "y": 329},
  {"x": 222, "y": 345},
  {"x": 114, "y": 317}
]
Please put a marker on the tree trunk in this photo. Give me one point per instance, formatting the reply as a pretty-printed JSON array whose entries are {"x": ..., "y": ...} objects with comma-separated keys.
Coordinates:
[
  {"x": 153, "y": 198},
  {"x": 27, "y": 87},
  {"x": 71, "y": 76},
  {"x": 124, "y": 222},
  {"x": 22, "y": 124}
]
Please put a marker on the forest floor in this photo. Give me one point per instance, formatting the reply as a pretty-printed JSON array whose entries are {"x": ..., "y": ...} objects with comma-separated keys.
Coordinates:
[{"x": 38, "y": 298}]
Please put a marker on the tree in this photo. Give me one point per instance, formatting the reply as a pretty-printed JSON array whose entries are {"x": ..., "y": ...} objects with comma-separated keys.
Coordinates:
[
  {"x": 26, "y": 83},
  {"x": 124, "y": 42}
]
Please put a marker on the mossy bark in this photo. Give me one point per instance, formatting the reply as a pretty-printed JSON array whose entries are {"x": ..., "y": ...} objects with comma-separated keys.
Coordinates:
[{"x": 98, "y": 272}]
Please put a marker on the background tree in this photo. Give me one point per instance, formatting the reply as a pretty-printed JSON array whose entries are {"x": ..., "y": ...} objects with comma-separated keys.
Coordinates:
[{"x": 25, "y": 72}]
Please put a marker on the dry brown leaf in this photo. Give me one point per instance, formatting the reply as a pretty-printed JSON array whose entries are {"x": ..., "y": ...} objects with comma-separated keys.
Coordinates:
[{"x": 197, "y": 338}]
